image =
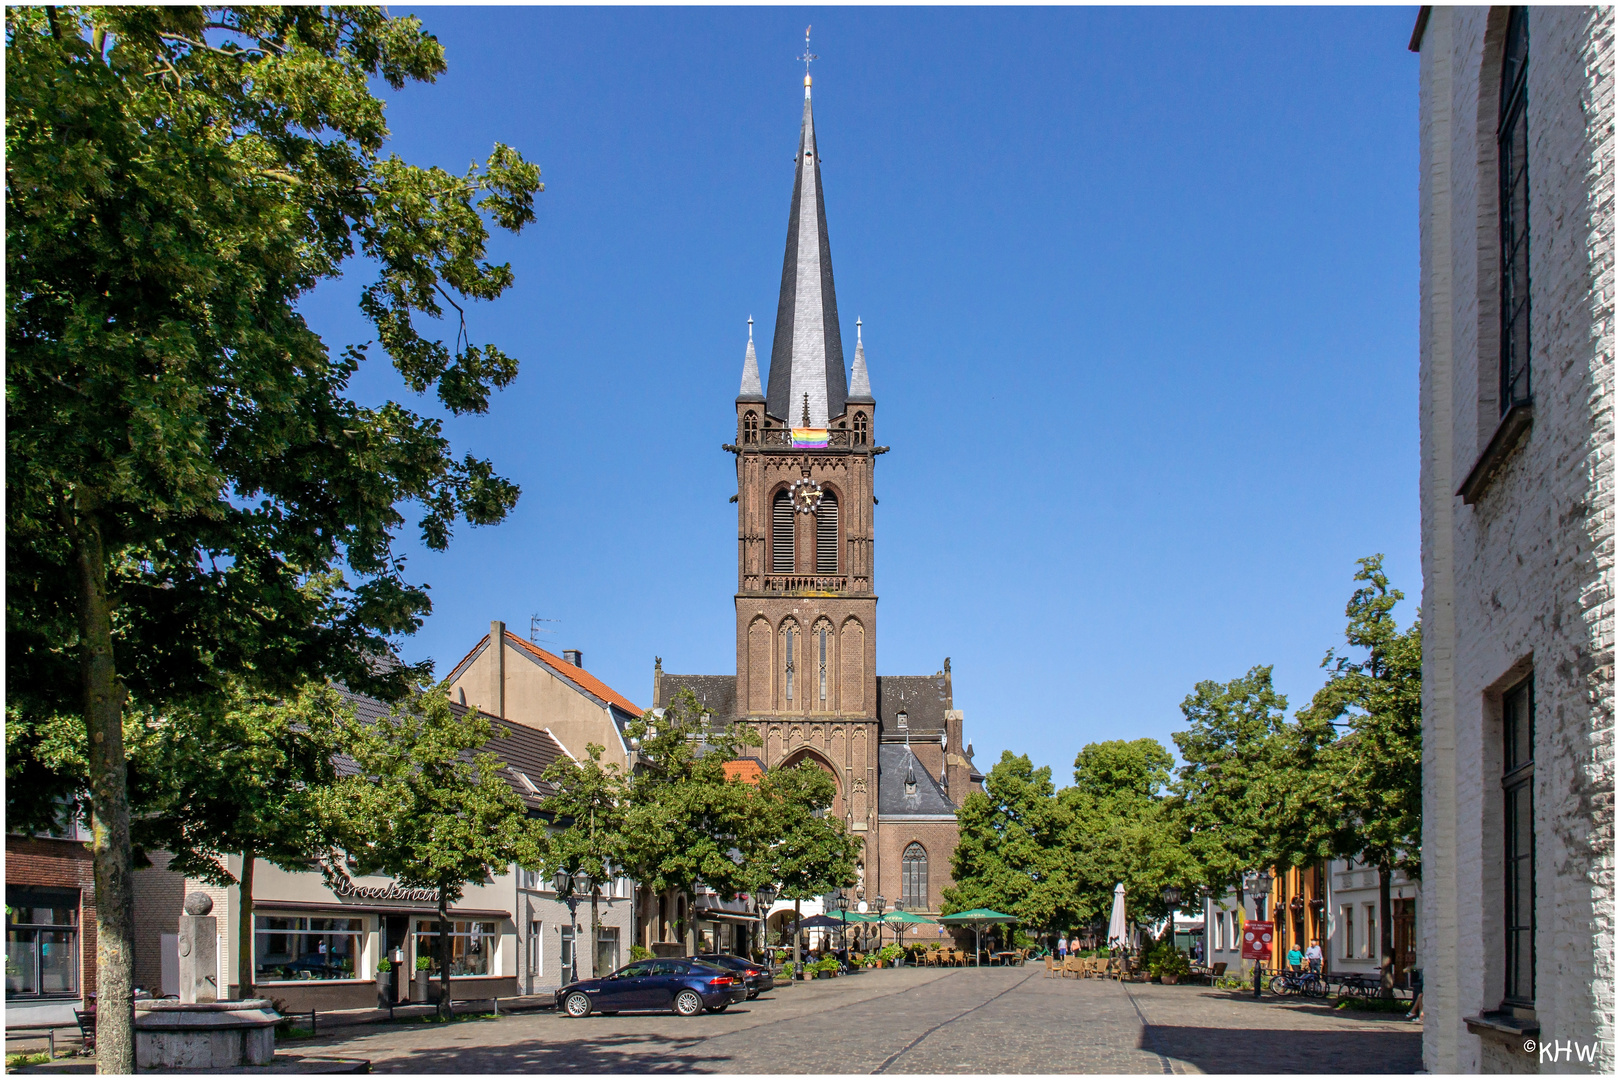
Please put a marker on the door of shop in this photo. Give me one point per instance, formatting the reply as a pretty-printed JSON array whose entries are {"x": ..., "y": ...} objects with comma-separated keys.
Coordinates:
[{"x": 396, "y": 932}]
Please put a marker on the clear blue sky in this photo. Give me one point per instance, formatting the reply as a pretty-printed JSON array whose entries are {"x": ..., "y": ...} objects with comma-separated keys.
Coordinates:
[{"x": 1139, "y": 290}]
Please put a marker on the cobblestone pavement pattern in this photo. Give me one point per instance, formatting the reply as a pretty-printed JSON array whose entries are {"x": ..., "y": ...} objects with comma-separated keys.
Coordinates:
[{"x": 998, "y": 1020}]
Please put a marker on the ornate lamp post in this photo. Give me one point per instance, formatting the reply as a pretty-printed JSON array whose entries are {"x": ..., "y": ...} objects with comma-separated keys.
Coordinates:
[
  {"x": 1262, "y": 893},
  {"x": 568, "y": 887},
  {"x": 764, "y": 897},
  {"x": 878, "y": 906},
  {"x": 841, "y": 905}
]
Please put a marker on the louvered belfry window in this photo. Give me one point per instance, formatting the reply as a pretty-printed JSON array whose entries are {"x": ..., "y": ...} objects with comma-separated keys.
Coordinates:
[
  {"x": 782, "y": 534},
  {"x": 1512, "y": 145},
  {"x": 827, "y": 535}
]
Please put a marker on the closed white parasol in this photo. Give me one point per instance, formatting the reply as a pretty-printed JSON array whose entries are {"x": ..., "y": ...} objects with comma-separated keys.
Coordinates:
[{"x": 1117, "y": 937}]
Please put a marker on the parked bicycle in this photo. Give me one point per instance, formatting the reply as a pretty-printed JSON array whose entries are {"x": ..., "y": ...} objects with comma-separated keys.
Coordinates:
[{"x": 1307, "y": 983}]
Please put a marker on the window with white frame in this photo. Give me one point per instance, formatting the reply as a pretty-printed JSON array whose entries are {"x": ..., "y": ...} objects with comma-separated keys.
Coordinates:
[
  {"x": 299, "y": 948},
  {"x": 1348, "y": 920},
  {"x": 472, "y": 946}
]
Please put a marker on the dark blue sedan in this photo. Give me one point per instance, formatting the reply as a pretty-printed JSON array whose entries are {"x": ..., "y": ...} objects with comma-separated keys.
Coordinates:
[{"x": 684, "y": 986}]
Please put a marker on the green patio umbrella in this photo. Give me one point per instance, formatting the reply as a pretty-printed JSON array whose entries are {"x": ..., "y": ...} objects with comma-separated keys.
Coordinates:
[
  {"x": 978, "y": 918},
  {"x": 901, "y": 917}
]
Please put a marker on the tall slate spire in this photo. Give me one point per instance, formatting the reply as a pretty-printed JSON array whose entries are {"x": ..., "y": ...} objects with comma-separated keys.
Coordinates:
[
  {"x": 751, "y": 389},
  {"x": 807, "y": 352}
]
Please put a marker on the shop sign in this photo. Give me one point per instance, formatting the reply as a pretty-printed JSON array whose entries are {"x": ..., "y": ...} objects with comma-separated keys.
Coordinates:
[{"x": 391, "y": 891}]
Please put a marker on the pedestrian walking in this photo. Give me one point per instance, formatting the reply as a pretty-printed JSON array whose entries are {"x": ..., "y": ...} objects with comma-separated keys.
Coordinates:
[
  {"x": 1313, "y": 956},
  {"x": 1074, "y": 945},
  {"x": 1295, "y": 958},
  {"x": 1063, "y": 947},
  {"x": 1416, "y": 1011}
]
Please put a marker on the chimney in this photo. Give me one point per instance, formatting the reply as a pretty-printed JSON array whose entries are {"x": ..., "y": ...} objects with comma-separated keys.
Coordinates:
[
  {"x": 497, "y": 676},
  {"x": 575, "y": 657}
]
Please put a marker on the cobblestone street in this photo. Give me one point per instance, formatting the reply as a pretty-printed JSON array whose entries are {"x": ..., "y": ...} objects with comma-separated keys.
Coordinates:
[{"x": 996, "y": 1020}]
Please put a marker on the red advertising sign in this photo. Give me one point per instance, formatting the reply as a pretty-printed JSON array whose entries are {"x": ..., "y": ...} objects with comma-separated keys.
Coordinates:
[{"x": 1257, "y": 941}]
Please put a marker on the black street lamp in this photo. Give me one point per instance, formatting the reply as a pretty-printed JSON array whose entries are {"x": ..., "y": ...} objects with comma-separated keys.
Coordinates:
[
  {"x": 878, "y": 906},
  {"x": 1171, "y": 897},
  {"x": 764, "y": 897},
  {"x": 568, "y": 887},
  {"x": 841, "y": 905}
]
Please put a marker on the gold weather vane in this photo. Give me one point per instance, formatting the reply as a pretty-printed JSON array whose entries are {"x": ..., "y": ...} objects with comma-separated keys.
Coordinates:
[{"x": 808, "y": 56}]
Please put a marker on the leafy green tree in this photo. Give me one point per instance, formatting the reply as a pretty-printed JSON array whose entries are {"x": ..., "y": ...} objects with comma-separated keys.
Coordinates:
[
  {"x": 182, "y": 454},
  {"x": 426, "y": 805},
  {"x": 1011, "y": 854},
  {"x": 1361, "y": 795},
  {"x": 1122, "y": 829},
  {"x": 688, "y": 822},
  {"x": 248, "y": 781},
  {"x": 1227, "y": 790},
  {"x": 582, "y": 827},
  {"x": 794, "y": 844}
]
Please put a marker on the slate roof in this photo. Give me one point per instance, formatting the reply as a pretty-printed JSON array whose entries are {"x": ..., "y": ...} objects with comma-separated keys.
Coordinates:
[
  {"x": 716, "y": 693},
  {"x": 807, "y": 351},
  {"x": 921, "y": 697},
  {"x": 896, "y": 763},
  {"x": 525, "y": 751},
  {"x": 751, "y": 390}
]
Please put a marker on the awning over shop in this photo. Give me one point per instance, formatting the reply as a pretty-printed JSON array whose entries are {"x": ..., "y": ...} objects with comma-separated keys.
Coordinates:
[
  {"x": 711, "y": 915},
  {"x": 271, "y": 906}
]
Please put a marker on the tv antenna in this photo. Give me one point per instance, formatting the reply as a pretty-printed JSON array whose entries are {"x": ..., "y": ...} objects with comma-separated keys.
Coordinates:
[{"x": 535, "y": 629}]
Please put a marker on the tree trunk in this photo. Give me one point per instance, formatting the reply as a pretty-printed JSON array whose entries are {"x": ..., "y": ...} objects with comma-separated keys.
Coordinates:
[
  {"x": 689, "y": 931},
  {"x": 596, "y": 933},
  {"x": 1386, "y": 933},
  {"x": 445, "y": 1012},
  {"x": 109, "y": 803},
  {"x": 797, "y": 960},
  {"x": 1238, "y": 926},
  {"x": 244, "y": 929}
]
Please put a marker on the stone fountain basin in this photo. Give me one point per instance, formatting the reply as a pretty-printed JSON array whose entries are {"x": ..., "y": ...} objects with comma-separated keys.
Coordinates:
[{"x": 204, "y": 1034}]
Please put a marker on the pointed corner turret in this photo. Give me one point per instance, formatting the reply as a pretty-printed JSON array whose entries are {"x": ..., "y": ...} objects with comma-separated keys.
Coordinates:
[
  {"x": 751, "y": 389},
  {"x": 860, "y": 387}
]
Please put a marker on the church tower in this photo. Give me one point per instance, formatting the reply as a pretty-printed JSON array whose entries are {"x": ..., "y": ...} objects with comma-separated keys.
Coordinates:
[
  {"x": 806, "y": 602},
  {"x": 806, "y": 605}
]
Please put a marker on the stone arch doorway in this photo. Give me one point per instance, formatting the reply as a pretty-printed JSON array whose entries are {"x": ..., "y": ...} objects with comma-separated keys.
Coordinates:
[{"x": 819, "y": 760}]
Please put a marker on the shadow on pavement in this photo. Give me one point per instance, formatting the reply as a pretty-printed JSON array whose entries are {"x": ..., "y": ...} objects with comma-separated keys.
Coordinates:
[
  {"x": 601, "y": 1054},
  {"x": 1260, "y": 1050}
]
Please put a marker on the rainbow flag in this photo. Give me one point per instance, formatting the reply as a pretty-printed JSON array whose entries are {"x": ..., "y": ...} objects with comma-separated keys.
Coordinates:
[{"x": 807, "y": 438}]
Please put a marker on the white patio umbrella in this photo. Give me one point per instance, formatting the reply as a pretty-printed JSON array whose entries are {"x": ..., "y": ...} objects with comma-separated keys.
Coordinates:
[{"x": 1116, "y": 920}]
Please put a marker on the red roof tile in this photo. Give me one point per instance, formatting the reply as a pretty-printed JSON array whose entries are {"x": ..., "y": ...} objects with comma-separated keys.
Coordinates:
[{"x": 577, "y": 674}]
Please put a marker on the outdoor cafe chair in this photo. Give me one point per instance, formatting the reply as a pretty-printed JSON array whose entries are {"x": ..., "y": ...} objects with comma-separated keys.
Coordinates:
[
  {"x": 1074, "y": 965},
  {"x": 1051, "y": 967}
]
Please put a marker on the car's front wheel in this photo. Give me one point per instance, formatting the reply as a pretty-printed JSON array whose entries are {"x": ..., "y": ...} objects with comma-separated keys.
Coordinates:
[
  {"x": 577, "y": 1005},
  {"x": 688, "y": 1003}
]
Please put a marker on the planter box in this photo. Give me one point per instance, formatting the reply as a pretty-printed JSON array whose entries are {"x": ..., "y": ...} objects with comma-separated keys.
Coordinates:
[
  {"x": 1169, "y": 980},
  {"x": 385, "y": 989},
  {"x": 419, "y": 988}
]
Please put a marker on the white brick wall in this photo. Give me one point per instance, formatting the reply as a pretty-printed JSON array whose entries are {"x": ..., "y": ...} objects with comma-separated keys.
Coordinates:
[{"x": 1525, "y": 575}]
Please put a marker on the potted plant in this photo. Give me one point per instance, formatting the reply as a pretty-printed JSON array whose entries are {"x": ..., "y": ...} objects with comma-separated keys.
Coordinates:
[
  {"x": 788, "y": 970},
  {"x": 385, "y": 983},
  {"x": 1168, "y": 964},
  {"x": 825, "y": 968},
  {"x": 891, "y": 955},
  {"x": 419, "y": 989}
]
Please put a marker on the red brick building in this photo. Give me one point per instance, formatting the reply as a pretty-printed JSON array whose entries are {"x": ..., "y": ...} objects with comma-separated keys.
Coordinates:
[
  {"x": 806, "y": 601},
  {"x": 50, "y": 927}
]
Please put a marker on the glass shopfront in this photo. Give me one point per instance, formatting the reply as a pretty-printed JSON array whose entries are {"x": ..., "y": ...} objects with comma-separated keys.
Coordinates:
[
  {"x": 472, "y": 946},
  {"x": 42, "y": 943},
  {"x": 301, "y": 948}
]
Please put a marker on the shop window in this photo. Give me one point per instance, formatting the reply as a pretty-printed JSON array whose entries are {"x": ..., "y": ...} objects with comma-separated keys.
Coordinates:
[
  {"x": 42, "y": 943},
  {"x": 472, "y": 946},
  {"x": 296, "y": 948}
]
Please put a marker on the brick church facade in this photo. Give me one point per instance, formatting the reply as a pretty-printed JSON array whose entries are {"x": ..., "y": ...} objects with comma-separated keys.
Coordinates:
[{"x": 806, "y": 679}]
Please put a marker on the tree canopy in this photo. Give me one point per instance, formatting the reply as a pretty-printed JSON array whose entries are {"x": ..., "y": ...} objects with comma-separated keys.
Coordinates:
[{"x": 183, "y": 456}]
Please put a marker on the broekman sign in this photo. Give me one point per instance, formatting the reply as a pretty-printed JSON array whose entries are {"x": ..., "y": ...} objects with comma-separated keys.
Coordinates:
[{"x": 345, "y": 887}]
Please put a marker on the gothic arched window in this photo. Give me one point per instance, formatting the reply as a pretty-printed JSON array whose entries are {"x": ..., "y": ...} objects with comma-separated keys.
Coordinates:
[
  {"x": 822, "y": 643},
  {"x": 827, "y": 534},
  {"x": 860, "y": 429},
  {"x": 788, "y": 635},
  {"x": 914, "y": 877},
  {"x": 750, "y": 427},
  {"x": 782, "y": 533}
]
